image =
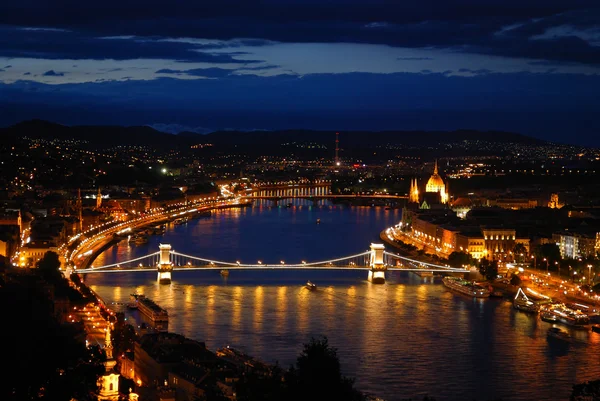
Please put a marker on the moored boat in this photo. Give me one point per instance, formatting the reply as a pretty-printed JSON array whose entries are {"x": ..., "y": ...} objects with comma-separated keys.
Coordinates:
[
  {"x": 311, "y": 286},
  {"x": 466, "y": 287},
  {"x": 568, "y": 316},
  {"x": 559, "y": 334},
  {"x": 153, "y": 312},
  {"x": 132, "y": 301},
  {"x": 523, "y": 303},
  {"x": 140, "y": 238}
]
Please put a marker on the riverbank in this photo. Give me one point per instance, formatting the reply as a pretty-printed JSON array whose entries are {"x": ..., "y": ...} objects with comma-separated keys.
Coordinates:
[{"x": 103, "y": 240}]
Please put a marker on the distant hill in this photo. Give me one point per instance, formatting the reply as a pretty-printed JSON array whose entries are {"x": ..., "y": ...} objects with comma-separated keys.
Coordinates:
[
  {"x": 97, "y": 134},
  {"x": 366, "y": 138},
  {"x": 108, "y": 136}
]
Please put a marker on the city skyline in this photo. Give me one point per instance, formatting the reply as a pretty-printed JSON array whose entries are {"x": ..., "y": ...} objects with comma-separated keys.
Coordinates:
[{"x": 340, "y": 65}]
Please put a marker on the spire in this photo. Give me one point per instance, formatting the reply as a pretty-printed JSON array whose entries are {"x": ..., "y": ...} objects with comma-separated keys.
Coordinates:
[
  {"x": 99, "y": 199},
  {"x": 108, "y": 343},
  {"x": 435, "y": 168}
]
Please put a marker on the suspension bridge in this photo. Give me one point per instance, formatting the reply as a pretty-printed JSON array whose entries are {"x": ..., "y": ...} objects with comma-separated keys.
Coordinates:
[{"x": 376, "y": 261}]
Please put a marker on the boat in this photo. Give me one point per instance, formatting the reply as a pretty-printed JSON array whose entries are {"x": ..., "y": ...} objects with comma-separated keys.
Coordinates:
[
  {"x": 318, "y": 221},
  {"x": 133, "y": 301},
  {"x": 158, "y": 316},
  {"x": 559, "y": 334},
  {"x": 290, "y": 205},
  {"x": 140, "y": 239},
  {"x": 466, "y": 287},
  {"x": 224, "y": 273},
  {"x": 549, "y": 317},
  {"x": 311, "y": 286},
  {"x": 568, "y": 316},
  {"x": 523, "y": 303},
  {"x": 596, "y": 328},
  {"x": 180, "y": 221},
  {"x": 497, "y": 294}
]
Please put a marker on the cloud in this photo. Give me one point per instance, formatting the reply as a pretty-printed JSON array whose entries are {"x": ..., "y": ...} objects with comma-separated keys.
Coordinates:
[
  {"x": 58, "y": 44},
  {"x": 52, "y": 73},
  {"x": 26, "y": 73},
  {"x": 414, "y": 58},
  {"x": 505, "y": 28},
  {"x": 475, "y": 72},
  {"x": 199, "y": 72},
  {"x": 7, "y": 66}
]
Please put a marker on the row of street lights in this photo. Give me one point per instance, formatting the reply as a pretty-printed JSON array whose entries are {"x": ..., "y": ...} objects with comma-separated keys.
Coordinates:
[{"x": 589, "y": 266}]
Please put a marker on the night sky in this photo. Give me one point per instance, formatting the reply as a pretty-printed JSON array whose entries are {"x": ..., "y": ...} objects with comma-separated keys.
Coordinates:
[{"x": 523, "y": 66}]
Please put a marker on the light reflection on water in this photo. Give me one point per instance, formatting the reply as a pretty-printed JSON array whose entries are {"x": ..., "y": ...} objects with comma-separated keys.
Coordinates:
[{"x": 407, "y": 338}]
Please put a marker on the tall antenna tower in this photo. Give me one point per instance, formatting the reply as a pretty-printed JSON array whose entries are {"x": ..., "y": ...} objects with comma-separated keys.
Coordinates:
[
  {"x": 337, "y": 148},
  {"x": 80, "y": 210}
]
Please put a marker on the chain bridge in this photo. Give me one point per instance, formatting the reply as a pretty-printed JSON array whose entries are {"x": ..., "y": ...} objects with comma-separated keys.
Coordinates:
[{"x": 376, "y": 261}]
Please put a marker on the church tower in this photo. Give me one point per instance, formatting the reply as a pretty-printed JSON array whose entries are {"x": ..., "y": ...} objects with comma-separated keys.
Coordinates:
[
  {"x": 99, "y": 199},
  {"x": 108, "y": 383},
  {"x": 413, "y": 196}
]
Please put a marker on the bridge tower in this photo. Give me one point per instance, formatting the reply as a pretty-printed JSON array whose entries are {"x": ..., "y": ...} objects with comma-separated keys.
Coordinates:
[
  {"x": 377, "y": 265},
  {"x": 165, "y": 266}
]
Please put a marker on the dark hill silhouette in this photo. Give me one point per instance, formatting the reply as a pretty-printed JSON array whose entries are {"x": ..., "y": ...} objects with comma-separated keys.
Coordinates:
[{"x": 146, "y": 136}]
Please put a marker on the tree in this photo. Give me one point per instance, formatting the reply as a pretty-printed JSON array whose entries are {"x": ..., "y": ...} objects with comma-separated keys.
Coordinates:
[
  {"x": 459, "y": 259},
  {"x": 488, "y": 269},
  {"x": 58, "y": 365},
  {"x": 515, "y": 280},
  {"x": 586, "y": 391},
  {"x": 318, "y": 375},
  {"x": 123, "y": 335},
  {"x": 551, "y": 252},
  {"x": 520, "y": 252},
  {"x": 49, "y": 267}
]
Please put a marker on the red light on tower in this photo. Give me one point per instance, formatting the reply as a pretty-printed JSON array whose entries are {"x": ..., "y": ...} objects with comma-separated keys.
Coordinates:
[{"x": 337, "y": 148}]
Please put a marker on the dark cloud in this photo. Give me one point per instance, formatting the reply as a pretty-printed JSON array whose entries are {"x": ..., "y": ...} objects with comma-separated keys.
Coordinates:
[
  {"x": 26, "y": 73},
  {"x": 7, "y": 66},
  {"x": 52, "y": 73},
  {"x": 55, "y": 45},
  {"x": 475, "y": 72},
  {"x": 199, "y": 72},
  {"x": 213, "y": 72},
  {"x": 258, "y": 68},
  {"x": 466, "y": 25},
  {"x": 414, "y": 58}
]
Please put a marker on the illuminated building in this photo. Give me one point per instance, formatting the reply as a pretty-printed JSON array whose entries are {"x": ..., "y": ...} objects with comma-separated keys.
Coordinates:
[
  {"x": 413, "y": 195},
  {"x": 577, "y": 245},
  {"x": 436, "y": 185},
  {"x": 108, "y": 383},
  {"x": 554, "y": 203}
]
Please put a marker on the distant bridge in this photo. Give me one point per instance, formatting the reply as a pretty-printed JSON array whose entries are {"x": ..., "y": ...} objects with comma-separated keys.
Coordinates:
[
  {"x": 311, "y": 192},
  {"x": 376, "y": 261}
]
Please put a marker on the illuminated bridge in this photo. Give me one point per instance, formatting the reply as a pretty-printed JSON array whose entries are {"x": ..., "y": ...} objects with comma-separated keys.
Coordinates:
[
  {"x": 316, "y": 192},
  {"x": 376, "y": 261}
]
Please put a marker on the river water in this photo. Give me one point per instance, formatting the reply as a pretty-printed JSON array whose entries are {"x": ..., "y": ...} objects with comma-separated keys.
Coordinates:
[{"x": 410, "y": 337}]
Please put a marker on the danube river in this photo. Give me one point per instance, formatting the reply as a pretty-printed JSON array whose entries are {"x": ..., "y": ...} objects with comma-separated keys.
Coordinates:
[{"x": 408, "y": 338}]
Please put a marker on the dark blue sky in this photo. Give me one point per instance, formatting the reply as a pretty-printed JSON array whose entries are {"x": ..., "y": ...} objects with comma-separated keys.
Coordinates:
[{"x": 530, "y": 67}]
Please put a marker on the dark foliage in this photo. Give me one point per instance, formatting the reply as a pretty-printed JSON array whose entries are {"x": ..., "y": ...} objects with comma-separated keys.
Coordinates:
[{"x": 47, "y": 361}]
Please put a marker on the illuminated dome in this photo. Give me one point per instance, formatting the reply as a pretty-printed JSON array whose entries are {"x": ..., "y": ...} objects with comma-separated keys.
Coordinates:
[
  {"x": 436, "y": 184},
  {"x": 435, "y": 181}
]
